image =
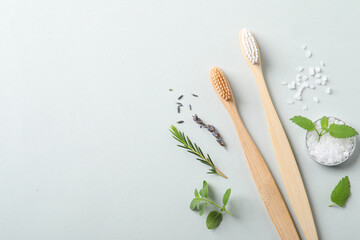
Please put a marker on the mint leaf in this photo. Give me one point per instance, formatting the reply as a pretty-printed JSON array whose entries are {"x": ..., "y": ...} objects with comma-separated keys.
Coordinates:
[
  {"x": 342, "y": 131},
  {"x": 341, "y": 192},
  {"x": 303, "y": 122},
  {"x": 193, "y": 203},
  {"x": 226, "y": 196},
  {"x": 202, "y": 209},
  {"x": 204, "y": 192},
  {"x": 324, "y": 122},
  {"x": 214, "y": 219},
  {"x": 196, "y": 193}
]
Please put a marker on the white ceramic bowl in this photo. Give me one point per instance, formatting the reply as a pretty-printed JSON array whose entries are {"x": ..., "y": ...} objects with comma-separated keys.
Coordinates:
[{"x": 329, "y": 164}]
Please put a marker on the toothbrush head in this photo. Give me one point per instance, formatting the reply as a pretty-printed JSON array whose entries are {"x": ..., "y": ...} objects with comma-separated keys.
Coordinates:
[
  {"x": 220, "y": 83},
  {"x": 249, "y": 46}
]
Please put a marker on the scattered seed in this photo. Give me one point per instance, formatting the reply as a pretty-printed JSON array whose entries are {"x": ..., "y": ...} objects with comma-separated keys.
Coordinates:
[
  {"x": 195, "y": 95},
  {"x": 178, "y": 109},
  {"x": 171, "y": 89},
  {"x": 180, "y": 122},
  {"x": 190, "y": 107},
  {"x": 180, "y": 104},
  {"x": 180, "y": 97}
]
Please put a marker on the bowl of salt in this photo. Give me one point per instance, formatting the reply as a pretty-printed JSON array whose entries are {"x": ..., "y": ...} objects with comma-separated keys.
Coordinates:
[{"x": 329, "y": 151}]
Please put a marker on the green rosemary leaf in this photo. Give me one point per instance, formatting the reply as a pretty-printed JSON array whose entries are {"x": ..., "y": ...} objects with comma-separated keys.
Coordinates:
[{"x": 194, "y": 149}]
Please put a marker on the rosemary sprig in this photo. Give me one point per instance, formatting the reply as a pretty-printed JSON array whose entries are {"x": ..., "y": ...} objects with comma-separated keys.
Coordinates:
[{"x": 196, "y": 150}]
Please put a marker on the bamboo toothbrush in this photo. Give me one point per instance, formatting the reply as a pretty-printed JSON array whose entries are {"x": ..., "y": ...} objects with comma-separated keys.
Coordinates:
[
  {"x": 261, "y": 174},
  {"x": 284, "y": 155}
]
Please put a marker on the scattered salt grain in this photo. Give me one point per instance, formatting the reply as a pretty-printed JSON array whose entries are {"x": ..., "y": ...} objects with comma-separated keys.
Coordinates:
[
  {"x": 298, "y": 78},
  {"x": 305, "y": 78},
  {"x": 322, "y": 63},
  {"x": 305, "y": 107},
  {"x": 284, "y": 82},
  {"x": 290, "y": 101},
  {"x": 328, "y": 90},
  {"x": 318, "y": 76},
  {"x": 324, "y": 80},
  {"x": 329, "y": 150},
  {"x": 298, "y": 84},
  {"x": 311, "y": 71},
  {"x": 318, "y": 81},
  {"x": 316, "y": 99},
  {"x": 291, "y": 85},
  {"x": 300, "y": 69},
  {"x": 308, "y": 54},
  {"x": 312, "y": 86},
  {"x": 303, "y": 46},
  {"x": 317, "y": 69}
]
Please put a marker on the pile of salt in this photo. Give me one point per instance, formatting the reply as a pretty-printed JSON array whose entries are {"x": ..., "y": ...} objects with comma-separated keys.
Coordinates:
[{"x": 329, "y": 150}]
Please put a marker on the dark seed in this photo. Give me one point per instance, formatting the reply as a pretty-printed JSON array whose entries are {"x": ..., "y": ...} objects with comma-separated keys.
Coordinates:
[
  {"x": 180, "y": 97},
  {"x": 190, "y": 107},
  {"x": 178, "y": 109},
  {"x": 171, "y": 89},
  {"x": 180, "y": 122},
  {"x": 195, "y": 95},
  {"x": 180, "y": 104}
]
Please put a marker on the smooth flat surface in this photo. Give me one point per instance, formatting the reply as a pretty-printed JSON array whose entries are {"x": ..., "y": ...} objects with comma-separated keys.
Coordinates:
[{"x": 85, "y": 110}]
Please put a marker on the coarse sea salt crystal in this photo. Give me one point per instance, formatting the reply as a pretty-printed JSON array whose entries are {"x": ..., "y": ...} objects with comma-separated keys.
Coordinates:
[
  {"x": 318, "y": 76},
  {"x": 308, "y": 54},
  {"x": 312, "y": 86},
  {"x": 300, "y": 69},
  {"x": 303, "y": 46},
  {"x": 322, "y": 63},
  {"x": 284, "y": 82},
  {"x": 291, "y": 85},
  {"x": 305, "y": 107},
  {"x": 311, "y": 71},
  {"x": 328, "y": 90},
  {"x": 305, "y": 78},
  {"x": 329, "y": 150},
  {"x": 316, "y": 99},
  {"x": 298, "y": 78},
  {"x": 318, "y": 81},
  {"x": 290, "y": 101},
  {"x": 317, "y": 69}
]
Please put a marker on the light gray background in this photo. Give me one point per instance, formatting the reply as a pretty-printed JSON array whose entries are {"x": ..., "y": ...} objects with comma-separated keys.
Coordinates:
[{"x": 85, "y": 110}]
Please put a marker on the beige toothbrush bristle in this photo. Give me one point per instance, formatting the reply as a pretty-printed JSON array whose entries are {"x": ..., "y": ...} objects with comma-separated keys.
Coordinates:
[{"x": 220, "y": 83}]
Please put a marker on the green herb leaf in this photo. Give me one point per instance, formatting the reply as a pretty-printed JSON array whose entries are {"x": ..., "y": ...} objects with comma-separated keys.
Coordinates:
[
  {"x": 196, "y": 193},
  {"x": 341, "y": 192},
  {"x": 342, "y": 131},
  {"x": 205, "y": 189},
  {"x": 214, "y": 219},
  {"x": 195, "y": 150},
  {"x": 193, "y": 203},
  {"x": 202, "y": 209},
  {"x": 226, "y": 196},
  {"x": 303, "y": 122},
  {"x": 324, "y": 122}
]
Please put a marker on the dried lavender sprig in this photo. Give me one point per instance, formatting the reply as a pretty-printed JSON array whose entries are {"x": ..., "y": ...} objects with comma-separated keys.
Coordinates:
[{"x": 210, "y": 128}]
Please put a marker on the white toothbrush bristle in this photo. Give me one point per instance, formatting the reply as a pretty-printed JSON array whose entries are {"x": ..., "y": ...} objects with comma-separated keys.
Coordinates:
[{"x": 249, "y": 46}]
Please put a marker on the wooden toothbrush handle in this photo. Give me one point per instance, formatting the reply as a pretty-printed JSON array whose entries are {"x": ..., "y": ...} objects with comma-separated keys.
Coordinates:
[
  {"x": 287, "y": 163},
  {"x": 265, "y": 182}
]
